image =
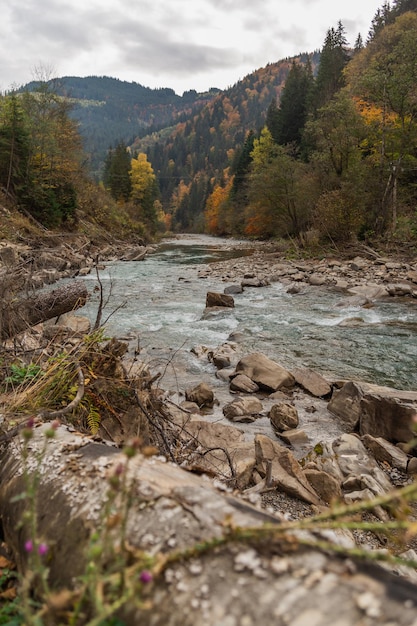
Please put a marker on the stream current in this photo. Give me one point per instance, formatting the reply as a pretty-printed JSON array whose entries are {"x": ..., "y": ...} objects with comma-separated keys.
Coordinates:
[{"x": 159, "y": 303}]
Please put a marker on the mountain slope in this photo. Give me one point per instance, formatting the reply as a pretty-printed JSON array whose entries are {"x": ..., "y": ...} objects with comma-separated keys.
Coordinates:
[
  {"x": 197, "y": 151},
  {"x": 110, "y": 110}
]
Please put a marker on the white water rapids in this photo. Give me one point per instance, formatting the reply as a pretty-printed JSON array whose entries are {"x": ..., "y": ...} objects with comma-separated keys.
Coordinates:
[{"x": 160, "y": 301}]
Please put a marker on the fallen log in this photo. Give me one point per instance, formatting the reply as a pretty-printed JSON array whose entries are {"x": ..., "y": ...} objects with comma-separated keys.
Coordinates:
[
  {"x": 19, "y": 315},
  {"x": 212, "y": 575}
]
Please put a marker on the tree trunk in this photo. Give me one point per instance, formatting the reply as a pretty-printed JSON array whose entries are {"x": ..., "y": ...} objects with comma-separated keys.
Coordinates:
[
  {"x": 261, "y": 581},
  {"x": 20, "y": 315}
]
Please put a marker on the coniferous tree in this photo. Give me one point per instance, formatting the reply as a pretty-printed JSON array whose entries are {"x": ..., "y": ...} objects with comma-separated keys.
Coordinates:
[
  {"x": 358, "y": 43},
  {"x": 116, "y": 176},
  {"x": 384, "y": 16},
  {"x": 14, "y": 147},
  {"x": 334, "y": 58},
  {"x": 272, "y": 120},
  {"x": 402, "y": 6},
  {"x": 295, "y": 101}
]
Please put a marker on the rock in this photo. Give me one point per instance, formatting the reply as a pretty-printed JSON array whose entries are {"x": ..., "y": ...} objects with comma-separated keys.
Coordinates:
[
  {"x": 225, "y": 374},
  {"x": 202, "y": 395},
  {"x": 243, "y": 383},
  {"x": 312, "y": 382},
  {"x": 233, "y": 289},
  {"x": 387, "y": 418},
  {"x": 242, "y": 406},
  {"x": 214, "y": 299},
  {"x": 354, "y": 461},
  {"x": 317, "y": 280},
  {"x": 325, "y": 485},
  {"x": 283, "y": 416},
  {"x": 284, "y": 470},
  {"x": 371, "y": 292},
  {"x": 412, "y": 275},
  {"x": 345, "y": 404},
  {"x": 9, "y": 255},
  {"x": 79, "y": 324},
  {"x": 377, "y": 411},
  {"x": 400, "y": 289},
  {"x": 136, "y": 254},
  {"x": 51, "y": 261},
  {"x": 84, "y": 271},
  {"x": 254, "y": 282},
  {"x": 412, "y": 466},
  {"x": 348, "y": 462},
  {"x": 222, "y": 356},
  {"x": 359, "y": 264},
  {"x": 295, "y": 436},
  {"x": 265, "y": 372},
  {"x": 294, "y": 288},
  {"x": 386, "y": 452}
]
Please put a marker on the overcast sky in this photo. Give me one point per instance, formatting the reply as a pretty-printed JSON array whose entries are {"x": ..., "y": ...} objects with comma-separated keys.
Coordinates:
[{"x": 182, "y": 44}]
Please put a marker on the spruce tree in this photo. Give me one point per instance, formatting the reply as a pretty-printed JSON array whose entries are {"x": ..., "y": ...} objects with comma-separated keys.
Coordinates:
[
  {"x": 293, "y": 110},
  {"x": 333, "y": 59},
  {"x": 14, "y": 148},
  {"x": 116, "y": 175}
]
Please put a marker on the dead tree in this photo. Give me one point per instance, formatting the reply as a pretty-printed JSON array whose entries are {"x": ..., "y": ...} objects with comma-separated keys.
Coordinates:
[{"x": 18, "y": 315}]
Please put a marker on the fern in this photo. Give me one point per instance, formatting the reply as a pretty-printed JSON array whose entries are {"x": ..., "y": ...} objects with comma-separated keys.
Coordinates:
[{"x": 93, "y": 419}]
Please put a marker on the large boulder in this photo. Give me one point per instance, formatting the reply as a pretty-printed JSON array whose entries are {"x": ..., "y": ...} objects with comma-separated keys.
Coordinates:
[
  {"x": 377, "y": 411},
  {"x": 312, "y": 381},
  {"x": 264, "y": 372}
]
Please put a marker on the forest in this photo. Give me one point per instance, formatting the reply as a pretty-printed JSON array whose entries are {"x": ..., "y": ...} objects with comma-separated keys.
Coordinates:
[{"x": 318, "y": 147}]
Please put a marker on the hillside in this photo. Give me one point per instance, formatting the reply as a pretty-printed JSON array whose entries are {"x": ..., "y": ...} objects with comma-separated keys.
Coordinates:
[
  {"x": 197, "y": 151},
  {"x": 110, "y": 110},
  {"x": 190, "y": 138}
]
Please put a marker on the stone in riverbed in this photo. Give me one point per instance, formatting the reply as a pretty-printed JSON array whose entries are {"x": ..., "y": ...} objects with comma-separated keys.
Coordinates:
[
  {"x": 283, "y": 416},
  {"x": 242, "y": 406},
  {"x": 214, "y": 299},
  {"x": 264, "y": 372},
  {"x": 202, "y": 395},
  {"x": 243, "y": 383},
  {"x": 294, "y": 436},
  {"x": 375, "y": 410},
  {"x": 233, "y": 289},
  {"x": 312, "y": 381}
]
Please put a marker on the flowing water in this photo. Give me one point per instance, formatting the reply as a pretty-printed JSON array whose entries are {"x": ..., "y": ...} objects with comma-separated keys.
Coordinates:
[{"x": 160, "y": 301}]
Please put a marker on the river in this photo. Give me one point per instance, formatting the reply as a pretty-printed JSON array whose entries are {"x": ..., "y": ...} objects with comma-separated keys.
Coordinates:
[{"x": 159, "y": 304}]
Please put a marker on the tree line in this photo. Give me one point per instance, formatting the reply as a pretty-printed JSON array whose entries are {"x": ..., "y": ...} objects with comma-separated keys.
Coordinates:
[
  {"x": 44, "y": 169},
  {"x": 337, "y": 155}
]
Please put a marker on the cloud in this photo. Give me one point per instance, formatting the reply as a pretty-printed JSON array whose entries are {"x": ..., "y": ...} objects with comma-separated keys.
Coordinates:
[{"x": 186, "y": 44}]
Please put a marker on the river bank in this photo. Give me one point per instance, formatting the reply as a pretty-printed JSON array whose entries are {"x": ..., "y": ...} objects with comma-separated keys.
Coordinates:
[{"x": 284, "y": 442}]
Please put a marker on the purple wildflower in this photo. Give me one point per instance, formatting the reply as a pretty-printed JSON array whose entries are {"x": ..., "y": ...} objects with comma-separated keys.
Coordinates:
[
  {"x": 28, "y": 545},
  {"x": 145, "y": 576},
  {"x": 42, "y": 549}
]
